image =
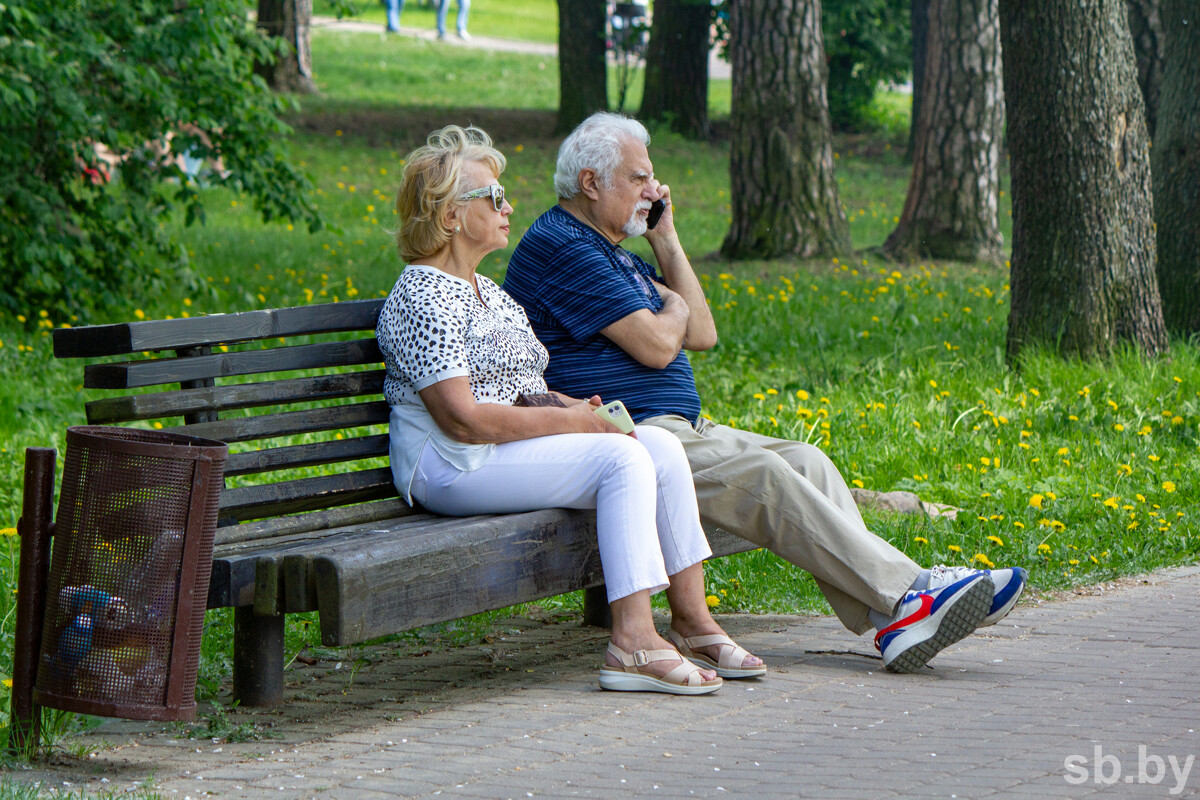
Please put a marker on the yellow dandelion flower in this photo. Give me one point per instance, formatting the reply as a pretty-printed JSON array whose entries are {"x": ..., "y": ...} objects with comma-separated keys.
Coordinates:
[
  {"x": 920, "y": 540},
  {"x": 1074, "y": 562},
  {"x": 1168, "y": 486},
  {"x": 759, "y": 396},
  {"x": 982, "y": 559},
  {"x": 712, "y": 601},
  {"x": 1036, "y": 500},
  {"x": 954, "y": 548},
  {"x": 1112, "y": 502},
  {"x": 1018, "y": 524},
  {"x": 857, "y": 483},
  {"x": 1124, "y": 469},
  {"x": 1118, "y": 427},
  {"x": 1062, "y": 451},
  {"x": 1043, "y": 548},
  {"x": 8, "y": 531},
  {"x": 996, "y": 540}
]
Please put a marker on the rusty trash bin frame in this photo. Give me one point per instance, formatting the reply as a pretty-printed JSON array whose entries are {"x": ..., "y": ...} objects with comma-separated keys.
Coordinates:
[{"x": 151, "y": 477}]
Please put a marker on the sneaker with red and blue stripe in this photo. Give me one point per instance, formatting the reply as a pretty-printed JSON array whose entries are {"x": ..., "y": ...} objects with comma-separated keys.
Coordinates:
[
  {"x": 1007, "y": 585},
  {"x": 927, "y": 622}
]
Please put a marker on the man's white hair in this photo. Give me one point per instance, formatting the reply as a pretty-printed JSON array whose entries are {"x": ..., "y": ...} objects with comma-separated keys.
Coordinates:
[{"x": 595, "y": 144}]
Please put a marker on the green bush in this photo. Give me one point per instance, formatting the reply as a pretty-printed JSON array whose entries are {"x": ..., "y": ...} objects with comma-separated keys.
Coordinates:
[
  {"x": 76, "y": 233},
  {"x": 867, "y": 43}
]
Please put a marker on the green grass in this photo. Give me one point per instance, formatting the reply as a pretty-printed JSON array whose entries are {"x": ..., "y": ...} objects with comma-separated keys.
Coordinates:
[
  {"x": 526, "y": 20},
  {"x": 1079, "y": 472}
]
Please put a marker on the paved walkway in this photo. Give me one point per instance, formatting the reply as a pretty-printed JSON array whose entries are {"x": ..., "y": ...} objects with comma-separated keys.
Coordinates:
[
  {"x": 1093, "y": 694},
  {"x": 718, "y": 69}
]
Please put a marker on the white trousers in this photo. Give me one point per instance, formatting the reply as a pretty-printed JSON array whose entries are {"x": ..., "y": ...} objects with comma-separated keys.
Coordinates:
[{"x": 647, "y": 523}]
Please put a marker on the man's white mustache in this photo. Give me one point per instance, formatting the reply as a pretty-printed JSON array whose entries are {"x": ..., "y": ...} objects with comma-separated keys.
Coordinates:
[{"x": 643, "y": 205}]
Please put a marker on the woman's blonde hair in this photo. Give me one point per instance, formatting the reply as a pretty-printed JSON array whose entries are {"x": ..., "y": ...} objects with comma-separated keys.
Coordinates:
[{"x": 432, "y": 182}]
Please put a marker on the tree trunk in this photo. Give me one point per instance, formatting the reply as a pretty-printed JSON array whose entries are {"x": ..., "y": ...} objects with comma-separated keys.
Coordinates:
[
  {"x": 676, "y": 82},
  {"x": 1176, "y": 161},
  {"x": 1145, "y": 25},
  {"x": 919, "y": 22},
  {"x": 785, "y": 199},
  {"x": 582, "y": 70},
  {"x": 288, "y": 20},
  {"x": 1083, "y": 257},
  {"x": 953, "y": 193}
]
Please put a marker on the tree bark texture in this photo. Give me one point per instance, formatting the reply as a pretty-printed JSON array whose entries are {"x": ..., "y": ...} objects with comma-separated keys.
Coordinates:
[
  {"x": 676, "y": 78},
  {"x": 785, "y": 199},
  {"x": 919, "y": 21},
  {"x": 288, "y": 20},
  {"x": 582, "y": 69},
  {"x": 1145, "y": 25},
  {"x": 1083, "y": 259},
  {"x": 1175, "y": 158},
  {"x": 953, "y": 193}
]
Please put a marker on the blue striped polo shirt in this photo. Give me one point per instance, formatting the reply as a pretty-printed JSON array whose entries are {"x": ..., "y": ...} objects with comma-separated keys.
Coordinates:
[{"x": 572, "y": 283}]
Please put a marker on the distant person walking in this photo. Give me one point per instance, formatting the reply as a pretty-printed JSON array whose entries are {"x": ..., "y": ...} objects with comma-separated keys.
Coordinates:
[
  {"x": 464, "y": 7},
  {"x": 394, "y": 8}
]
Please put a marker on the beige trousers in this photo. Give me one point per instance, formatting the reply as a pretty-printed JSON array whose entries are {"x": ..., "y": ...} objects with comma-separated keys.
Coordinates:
[{"x": 790, "y": 498}]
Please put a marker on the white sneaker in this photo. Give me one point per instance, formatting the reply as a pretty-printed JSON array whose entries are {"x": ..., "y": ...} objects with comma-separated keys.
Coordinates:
[
  {"x": 1007, "y": 585},
  {"x": 928, "y": 621},
  {"x": 466, "y": 37}
]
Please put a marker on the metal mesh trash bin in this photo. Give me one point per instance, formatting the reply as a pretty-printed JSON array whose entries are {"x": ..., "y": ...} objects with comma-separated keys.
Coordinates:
[{"x": 128, "y": 581}]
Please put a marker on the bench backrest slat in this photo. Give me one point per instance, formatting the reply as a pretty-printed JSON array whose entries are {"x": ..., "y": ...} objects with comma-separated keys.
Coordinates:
[
  {"x": 290, "y": 423},
  {"x": 307, "y": 455},
  {"x": 172, "y": 334},
  {"x": 157, "y": 371},
  {"x": 309, "y": 437},
  {"x": 305, "y": 494},
  {"x": 247, "y": 533},
  {"x": 179, "y": 402}
]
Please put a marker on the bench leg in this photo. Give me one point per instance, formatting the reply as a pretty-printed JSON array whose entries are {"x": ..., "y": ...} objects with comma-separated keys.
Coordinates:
[
  {"x": 257, "y": 658},
  {"x": 595, "y": 607}
]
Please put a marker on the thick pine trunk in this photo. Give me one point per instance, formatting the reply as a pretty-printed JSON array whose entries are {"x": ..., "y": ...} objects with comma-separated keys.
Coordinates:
[
  {"x": 951, "y": 208},
  {"x": 785, "y": 199},
  {"x": 582, "y": 70},
  {"x": 288, "y": 20},
  {"x": 1083, "y": 259},
  {"x": 1145, "y": 25},
  {"x": 919, "y": 11},
  {"x": 1176, "y": 161},
  {"x": 676, "y": 82}
]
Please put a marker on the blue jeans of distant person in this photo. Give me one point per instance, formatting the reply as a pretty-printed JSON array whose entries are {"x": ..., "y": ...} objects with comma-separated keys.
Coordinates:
[
  {"x": 464, "y": 6},
  {"x": 394, "y": 7}
]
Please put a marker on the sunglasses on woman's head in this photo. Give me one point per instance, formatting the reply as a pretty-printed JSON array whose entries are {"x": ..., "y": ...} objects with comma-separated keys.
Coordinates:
[{"x": 495, "y": 191}]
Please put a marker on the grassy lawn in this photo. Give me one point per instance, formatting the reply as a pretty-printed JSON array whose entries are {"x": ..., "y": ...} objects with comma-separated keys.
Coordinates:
[
  {"x": 525, "y": 20},
  {"x": 1078, "y": 472}
]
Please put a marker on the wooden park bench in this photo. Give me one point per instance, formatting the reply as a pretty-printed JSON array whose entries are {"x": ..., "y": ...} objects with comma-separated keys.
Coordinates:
[{"x": 309, "y": 517}]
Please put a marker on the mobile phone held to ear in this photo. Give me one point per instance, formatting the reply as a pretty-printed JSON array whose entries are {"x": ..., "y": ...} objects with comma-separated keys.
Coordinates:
[
  {"x": 656, "y": 211},
  {"x": 615, "y": 413}
]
